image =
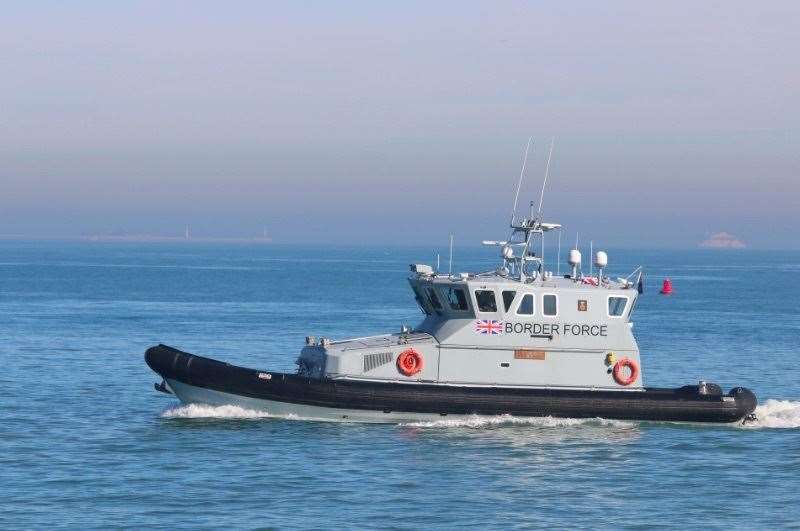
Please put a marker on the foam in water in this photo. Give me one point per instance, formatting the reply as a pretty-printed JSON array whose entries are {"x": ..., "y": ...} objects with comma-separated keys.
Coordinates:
[
  {"x": 771, "y": 414},
  {"x": 476, "y": 421},
  {"x": 202, "y": 411},
  {"x": 777, "y": 414}
]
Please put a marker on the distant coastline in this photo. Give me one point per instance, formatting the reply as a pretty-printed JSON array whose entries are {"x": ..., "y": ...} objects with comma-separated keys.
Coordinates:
[
  {"x": 722, "y": 240},
  {"x": 138, "y": 238},
  {"x": 172, "y": 239}
]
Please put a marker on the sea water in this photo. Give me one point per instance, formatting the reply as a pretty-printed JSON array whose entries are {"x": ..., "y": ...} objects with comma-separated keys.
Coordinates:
[{"x": 86, "y": 442}]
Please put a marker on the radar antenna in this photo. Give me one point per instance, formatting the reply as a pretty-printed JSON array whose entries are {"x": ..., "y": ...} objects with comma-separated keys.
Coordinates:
[
  {"x": 546, "y": 175},
  {"x": 521, "y": 176},
  {"x": 525, "y": 229},
  {"x": 450, "y": 270}
]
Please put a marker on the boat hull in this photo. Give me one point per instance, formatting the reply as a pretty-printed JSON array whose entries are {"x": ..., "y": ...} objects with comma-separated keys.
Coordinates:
[{"x": 195, "y": 379}]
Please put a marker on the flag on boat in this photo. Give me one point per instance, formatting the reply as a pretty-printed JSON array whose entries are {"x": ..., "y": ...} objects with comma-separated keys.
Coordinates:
[{"x": 489, "y": 327}]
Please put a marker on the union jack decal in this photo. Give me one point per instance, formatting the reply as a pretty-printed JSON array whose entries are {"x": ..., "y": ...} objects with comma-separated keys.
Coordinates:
[{"x": 489, "y": 327}]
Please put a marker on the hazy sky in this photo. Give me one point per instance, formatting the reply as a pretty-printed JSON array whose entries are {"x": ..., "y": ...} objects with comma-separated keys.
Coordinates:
[{"x": 358, "y": 121}]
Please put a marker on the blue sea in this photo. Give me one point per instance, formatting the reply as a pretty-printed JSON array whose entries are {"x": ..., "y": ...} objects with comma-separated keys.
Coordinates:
[{"x": 86, "y": 442}]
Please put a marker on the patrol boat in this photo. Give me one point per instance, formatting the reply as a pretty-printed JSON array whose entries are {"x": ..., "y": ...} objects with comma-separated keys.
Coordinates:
[{"x": 516, "y": 340}]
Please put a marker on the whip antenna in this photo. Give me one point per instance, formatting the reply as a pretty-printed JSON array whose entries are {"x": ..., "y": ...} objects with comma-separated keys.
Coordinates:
[
  {"x": 558, "y": 262},
  {"x": 450, "y": 272},
  {"x": 521, "y": 175},
  {"x": 546, "y": 175}
]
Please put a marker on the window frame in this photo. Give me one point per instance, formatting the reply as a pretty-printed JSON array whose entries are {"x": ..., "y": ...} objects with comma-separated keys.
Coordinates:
[
  {"x": 431, "y": 290},
  {"x": 507, "y": 307},
  {"x": 632, "y": 307},
  {"x": 624, "y": 308},
  {"x": 521, "y": 299},
  {"x": 557, "y": 305},
  {"x": 477, "y": 303},
  {"x": 422, "y": 300},
  {"x": 464, "y": 290}
]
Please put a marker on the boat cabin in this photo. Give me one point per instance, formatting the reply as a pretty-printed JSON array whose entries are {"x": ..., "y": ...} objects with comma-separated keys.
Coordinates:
[{"x": 518, "y": 325}]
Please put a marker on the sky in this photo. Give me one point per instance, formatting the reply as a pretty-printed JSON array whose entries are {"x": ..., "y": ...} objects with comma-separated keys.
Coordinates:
[{"x": 368, "y": 122}]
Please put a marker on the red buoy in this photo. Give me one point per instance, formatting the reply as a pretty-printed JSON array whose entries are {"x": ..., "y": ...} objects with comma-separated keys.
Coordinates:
[{"x": 666, "y": 288}]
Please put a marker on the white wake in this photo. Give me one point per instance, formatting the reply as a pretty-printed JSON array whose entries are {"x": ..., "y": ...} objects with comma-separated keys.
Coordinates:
[
  {"x": 477, "y": 421},
  {"x": 202, "y": 411},
  {"x": 771, "y": 414},
  {"x": 777, "y": 414}
]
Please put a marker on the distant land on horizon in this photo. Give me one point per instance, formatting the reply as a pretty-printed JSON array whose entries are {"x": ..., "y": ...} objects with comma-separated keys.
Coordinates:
[
  {"x": 141, "y": 238},
  {"x": 187, "y": 236},
  {"x": 715, "y": 242},
  {"x": 157, "y": 238},
  {"x": 722, "y": 240}
]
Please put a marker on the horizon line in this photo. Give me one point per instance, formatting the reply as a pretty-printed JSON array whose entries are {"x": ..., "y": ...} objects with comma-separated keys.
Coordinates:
[{"x": 260, "y": 240}]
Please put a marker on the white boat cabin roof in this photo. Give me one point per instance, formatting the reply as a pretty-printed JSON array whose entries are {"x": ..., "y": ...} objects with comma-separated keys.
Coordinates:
[{"x": 548, "y": 281}]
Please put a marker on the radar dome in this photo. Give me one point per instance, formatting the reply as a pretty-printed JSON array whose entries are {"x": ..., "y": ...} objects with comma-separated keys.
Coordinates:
[
  {"x": 574, "y": 257},
  {"x": 601, "y": 259}
]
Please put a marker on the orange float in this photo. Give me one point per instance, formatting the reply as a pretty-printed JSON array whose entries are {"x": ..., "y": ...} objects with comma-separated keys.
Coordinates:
[
  {"x": 409, "y": 362},
  {"x": 622, "y": 364}
]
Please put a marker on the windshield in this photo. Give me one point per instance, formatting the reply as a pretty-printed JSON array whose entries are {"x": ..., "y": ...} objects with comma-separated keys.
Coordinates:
[
  {"x": 456, "y": 298},
  {"x": 434, "y": 299}
]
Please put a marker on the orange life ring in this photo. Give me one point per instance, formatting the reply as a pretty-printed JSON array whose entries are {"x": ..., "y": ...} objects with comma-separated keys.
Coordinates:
[
  {"x": 630, "y": 364},
  {"x": 409, "y": 362}
]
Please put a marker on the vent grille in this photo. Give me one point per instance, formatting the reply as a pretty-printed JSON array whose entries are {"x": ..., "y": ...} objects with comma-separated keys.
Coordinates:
[{"x": 373, "y": 361}]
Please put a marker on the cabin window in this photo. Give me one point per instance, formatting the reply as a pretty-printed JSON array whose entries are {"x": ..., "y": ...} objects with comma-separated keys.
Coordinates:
[
  {"x": 526, "y": 305},
  {"x": 434, "y": 299},
  {"x": 550, "y": 305},
  {"x": 456, "y": 298},
  {"x": 508, "y": 298},
  {"x": 486, "y": 301},
  {"x": 616, "y": 306},
  {"x": 421, "y": 301}
]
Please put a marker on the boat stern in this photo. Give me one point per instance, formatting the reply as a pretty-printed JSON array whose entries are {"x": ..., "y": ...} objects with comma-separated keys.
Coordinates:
[
  {"x": 746, "y": 403},
  {"x": 404, "y": 356}
]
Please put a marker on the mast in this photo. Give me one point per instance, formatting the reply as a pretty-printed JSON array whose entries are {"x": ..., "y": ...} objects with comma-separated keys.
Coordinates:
[
  {"x": 524, "y": 230},
  {"x": 558, "y": 259},
  {"x": 546, "y": 175},
  {"x": 521, "y": 176},
  {"x": 450, "y": 272}
]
